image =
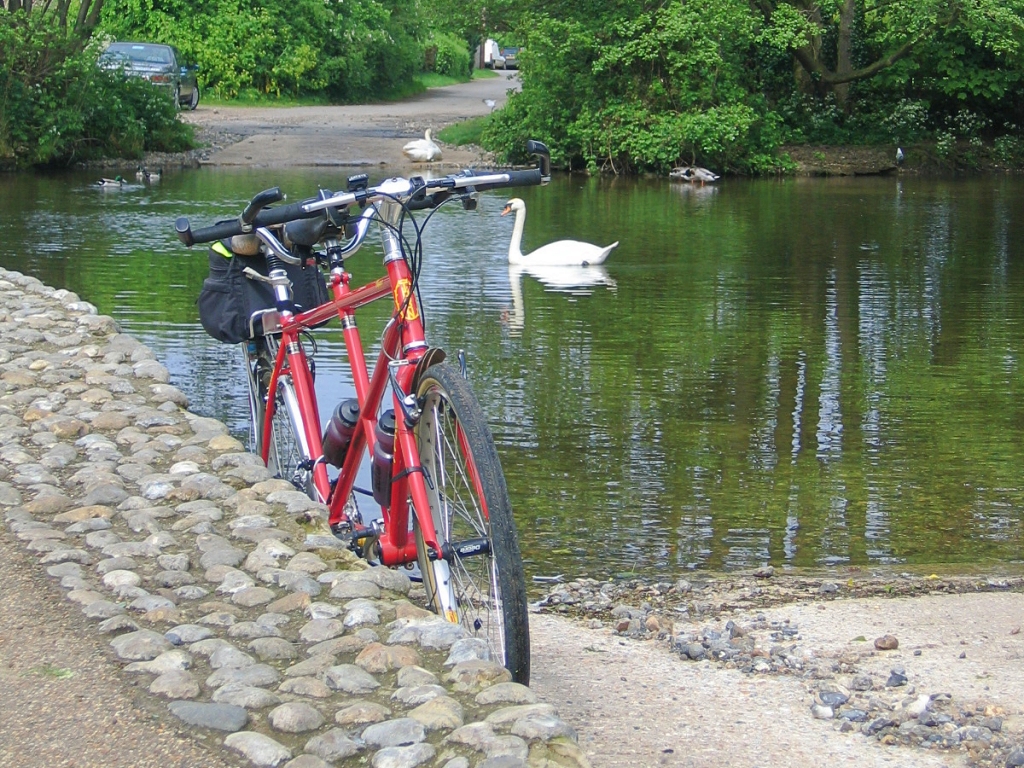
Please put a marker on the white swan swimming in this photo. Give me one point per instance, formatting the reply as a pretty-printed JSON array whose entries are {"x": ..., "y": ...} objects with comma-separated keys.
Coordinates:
[
  {"x": 422, "y": 150},
  {"x": 559, "y": 253}
]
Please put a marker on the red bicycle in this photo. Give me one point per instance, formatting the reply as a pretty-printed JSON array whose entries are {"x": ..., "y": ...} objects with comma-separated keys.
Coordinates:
[{"x": 435, "y": 473}]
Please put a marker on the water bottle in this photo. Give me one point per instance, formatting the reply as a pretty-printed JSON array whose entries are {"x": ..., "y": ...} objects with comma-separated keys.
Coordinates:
[
  {"x": 340, "y": 428},
  {"x": 383, "y": 454}
]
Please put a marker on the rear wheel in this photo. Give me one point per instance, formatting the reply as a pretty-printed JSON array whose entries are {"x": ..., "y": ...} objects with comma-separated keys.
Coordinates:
[
  {"x": 194, "y": 102},
  {"x": 478, "y": 582}
]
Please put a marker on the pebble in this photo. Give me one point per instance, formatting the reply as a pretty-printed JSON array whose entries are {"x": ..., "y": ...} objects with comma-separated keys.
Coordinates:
[
  {"x": 175, "y": 684},
  {"x": 391, "y": 733},
  {"x": 350, "y": 678},
  {"x": 247, "y": 696},
  {"x": 141, "y": 645}
]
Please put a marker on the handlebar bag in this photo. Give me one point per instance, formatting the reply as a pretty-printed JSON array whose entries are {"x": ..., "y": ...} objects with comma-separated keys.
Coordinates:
[{"x": 228, "y": 298}]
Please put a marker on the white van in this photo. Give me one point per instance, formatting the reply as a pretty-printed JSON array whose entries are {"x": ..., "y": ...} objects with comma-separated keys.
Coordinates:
[{"x": 492, "y": 58}]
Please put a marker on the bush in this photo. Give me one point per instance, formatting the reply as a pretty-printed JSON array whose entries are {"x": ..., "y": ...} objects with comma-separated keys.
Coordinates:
[
  {"x": 453, "y": 57},
  {"x": 663, "y": 88},
  {"x": 345, "y": 52},
  {"x": 57, "y": 106}
]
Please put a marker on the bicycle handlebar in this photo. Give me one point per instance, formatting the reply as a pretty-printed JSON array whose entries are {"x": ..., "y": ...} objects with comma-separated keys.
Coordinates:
[
  {"x": 264, "y": 217},
  {"x": 262, "y": 200},
  {"x": 416, "y": 193}
]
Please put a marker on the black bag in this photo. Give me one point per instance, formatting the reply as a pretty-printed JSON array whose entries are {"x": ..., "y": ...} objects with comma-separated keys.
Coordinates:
[{"x": 229, "y": 298}]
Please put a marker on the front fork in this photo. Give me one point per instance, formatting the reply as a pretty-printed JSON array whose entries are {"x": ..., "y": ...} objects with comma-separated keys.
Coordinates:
[{"x": 292, "y": 357}]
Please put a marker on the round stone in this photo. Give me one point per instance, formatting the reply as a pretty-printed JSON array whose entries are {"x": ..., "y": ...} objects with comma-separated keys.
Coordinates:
[
  {"x": 273, "y": 648},
  {"x": 333, "y": 746},
  {"x": 350, "y": 679},
  {"x": 176, "y": 684},
  {"x": 142, "y": 645},
  {"x": 219, "y": 717},
  {"x": 295, "y": 717},
  {"x": 403, "y": 757},
  {"x": 247, "y": 696},
  {"x": 393, "y": 733},
  {"x": 262, "y": 751},
  {"x": 306, "y": 686}
]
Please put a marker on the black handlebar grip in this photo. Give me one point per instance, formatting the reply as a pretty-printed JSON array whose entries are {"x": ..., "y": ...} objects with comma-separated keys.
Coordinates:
[
  {"x": 285, "y": 213},
  {"x": 530, "y": 178},
  {"x": 184, "y": 231},
  {"x": 262, "y": 199},
  {"x": 218, "y": 231}
]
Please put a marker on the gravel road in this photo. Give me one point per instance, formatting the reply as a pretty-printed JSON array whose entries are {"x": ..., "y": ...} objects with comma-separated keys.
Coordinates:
[{"x": 364, "y": 135}]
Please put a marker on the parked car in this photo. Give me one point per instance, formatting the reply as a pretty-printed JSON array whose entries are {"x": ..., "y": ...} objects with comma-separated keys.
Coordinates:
[
  {"x": 509, "y": 58},
  {"x": 161, "y": 64}
]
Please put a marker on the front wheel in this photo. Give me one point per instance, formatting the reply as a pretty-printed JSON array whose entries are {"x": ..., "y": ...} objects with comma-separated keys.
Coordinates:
[
  {"x": 194, "y": 101},
  {"x": 479, "y": 582},
  {"x": 288, "y": 455}
]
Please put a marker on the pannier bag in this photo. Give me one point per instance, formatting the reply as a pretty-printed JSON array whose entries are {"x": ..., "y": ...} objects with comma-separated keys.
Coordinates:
[{"x": 229, "y": 298}]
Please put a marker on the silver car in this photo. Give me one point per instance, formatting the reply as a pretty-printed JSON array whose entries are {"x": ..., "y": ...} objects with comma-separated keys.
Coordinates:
[{"x": 160, "y": 64}]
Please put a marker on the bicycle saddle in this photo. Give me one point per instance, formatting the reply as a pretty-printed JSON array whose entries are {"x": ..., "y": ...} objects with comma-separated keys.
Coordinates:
[{"x": 306, "y": 232}]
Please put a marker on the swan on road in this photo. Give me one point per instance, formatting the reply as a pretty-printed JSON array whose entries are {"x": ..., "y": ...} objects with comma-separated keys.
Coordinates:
[{"x": 422, "y": 150}]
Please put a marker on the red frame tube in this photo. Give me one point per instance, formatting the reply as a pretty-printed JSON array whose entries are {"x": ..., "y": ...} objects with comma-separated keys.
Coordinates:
[{"x": 403, "y": 339}]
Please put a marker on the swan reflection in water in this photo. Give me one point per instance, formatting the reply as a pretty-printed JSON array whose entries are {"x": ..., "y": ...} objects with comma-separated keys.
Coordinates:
[{"x": 573, "y": 280}]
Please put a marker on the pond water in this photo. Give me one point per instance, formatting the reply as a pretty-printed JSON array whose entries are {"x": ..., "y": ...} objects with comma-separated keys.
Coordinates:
[{"x": 808, "y": 372}]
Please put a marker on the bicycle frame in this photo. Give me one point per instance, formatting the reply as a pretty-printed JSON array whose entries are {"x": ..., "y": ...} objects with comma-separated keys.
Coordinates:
[{"x": 403, "y": 347}]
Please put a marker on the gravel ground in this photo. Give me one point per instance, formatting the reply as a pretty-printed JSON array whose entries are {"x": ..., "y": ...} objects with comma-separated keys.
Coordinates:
[
  {"x": 64, "y": 702},
  {"x": 887, "y": 669}
]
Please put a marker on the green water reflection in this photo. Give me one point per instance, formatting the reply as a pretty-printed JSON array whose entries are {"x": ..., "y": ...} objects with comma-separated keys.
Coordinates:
[{"x": 802, "y": 372}]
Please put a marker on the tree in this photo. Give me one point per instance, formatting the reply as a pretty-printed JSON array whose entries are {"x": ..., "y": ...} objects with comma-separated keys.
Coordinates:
[
  {"x": 86, "y": 18},
  {"x": 838, "y": 42}
]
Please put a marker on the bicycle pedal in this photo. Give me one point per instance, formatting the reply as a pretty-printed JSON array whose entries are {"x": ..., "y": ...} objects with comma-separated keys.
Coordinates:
[{"x": 352, "y": 533}]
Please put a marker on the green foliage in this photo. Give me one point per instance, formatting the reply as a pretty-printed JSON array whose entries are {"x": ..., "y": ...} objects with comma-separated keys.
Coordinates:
[
  {"x": 642, "y": 86},
  {"x": 345, "y": 51},
  {"x": 453, "y": 58},
  {"x": 57, "y": 106},
  {"x": 466, "y": 132},
  {"x": 1008, "y": 149},
  {"x": 647, "y": 90}
]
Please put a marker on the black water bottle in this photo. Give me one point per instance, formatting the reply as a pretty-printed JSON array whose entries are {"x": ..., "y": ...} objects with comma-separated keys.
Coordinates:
[
  {"x": 383, "y": 455},
  {"x": 340, "y": 429}
]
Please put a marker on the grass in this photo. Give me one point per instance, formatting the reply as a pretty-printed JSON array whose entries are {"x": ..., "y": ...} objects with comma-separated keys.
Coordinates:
[
  {"x": 466, "y": 132},
  {"x": 52, "y": 671},
  {"x": 419, "y": 84}
]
